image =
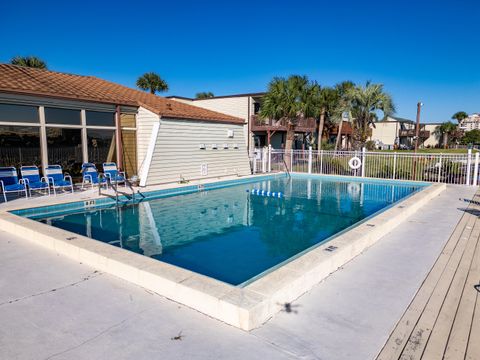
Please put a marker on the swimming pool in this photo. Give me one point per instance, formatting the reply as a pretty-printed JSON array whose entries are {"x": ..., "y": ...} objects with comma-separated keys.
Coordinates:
[{"x": 233, "y": 233}]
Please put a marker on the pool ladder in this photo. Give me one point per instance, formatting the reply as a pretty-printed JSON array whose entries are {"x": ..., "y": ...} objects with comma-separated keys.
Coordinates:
[{"x": 114, "y": 186}]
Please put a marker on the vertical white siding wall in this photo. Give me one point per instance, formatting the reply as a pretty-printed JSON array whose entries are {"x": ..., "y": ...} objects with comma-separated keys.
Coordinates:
[
  {"x": 434, "y": 139},
  {"x": 177, "y": 152},
  {"x": 145, "y": 121},
  {"x": 386, "y": 132}
]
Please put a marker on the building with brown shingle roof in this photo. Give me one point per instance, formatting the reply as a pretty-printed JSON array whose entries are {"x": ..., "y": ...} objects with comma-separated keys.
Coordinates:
[{"x": 49, "y": 117}]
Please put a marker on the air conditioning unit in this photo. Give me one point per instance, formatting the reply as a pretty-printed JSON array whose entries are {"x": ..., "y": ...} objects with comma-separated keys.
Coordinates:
[{"x": 230, "y": 133}]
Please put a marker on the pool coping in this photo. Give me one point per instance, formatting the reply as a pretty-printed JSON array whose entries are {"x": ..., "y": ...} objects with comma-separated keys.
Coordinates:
[{"x": 243, "y": 307}]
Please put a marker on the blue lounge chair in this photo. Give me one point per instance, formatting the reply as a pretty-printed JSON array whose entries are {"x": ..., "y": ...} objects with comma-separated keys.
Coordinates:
[
  {"x": 90, "y": 175},
  {"x": 9, "y": 182},
  {"x": 56, "y": 179},
  {"x": 32, "y": 178},
  {"x": 113, "y": 175}
]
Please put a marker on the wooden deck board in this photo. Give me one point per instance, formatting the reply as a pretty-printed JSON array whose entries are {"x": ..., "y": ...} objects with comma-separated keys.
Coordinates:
[{"x": 443, "y": 318}]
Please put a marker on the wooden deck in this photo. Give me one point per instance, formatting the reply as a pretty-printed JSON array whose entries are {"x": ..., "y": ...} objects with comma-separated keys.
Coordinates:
[{"x": 443, "y": 319}]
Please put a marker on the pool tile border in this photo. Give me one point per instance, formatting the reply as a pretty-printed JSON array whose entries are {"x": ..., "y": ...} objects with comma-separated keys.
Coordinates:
[{"x": 246, "y": 308}]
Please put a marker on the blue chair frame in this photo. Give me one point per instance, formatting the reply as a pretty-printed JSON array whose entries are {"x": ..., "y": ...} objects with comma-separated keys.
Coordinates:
[
  {"x": 113, "y": 175},
  {"x": 56, "y": 178},
  {"x": 9, "y": 182},
  {"x": 32, "y": 178},
  {"x": 90, "y": 176}
]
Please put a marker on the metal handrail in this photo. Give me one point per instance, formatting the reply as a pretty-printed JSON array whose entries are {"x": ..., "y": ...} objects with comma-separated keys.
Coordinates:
[{"x": 286, "y": 167}]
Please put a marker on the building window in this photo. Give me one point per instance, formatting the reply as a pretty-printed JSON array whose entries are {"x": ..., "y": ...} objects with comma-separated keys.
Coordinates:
[
  {"x": 97, "y": 118},
  {"x": 18, "y": 113},
  {"x": 129, "y": 143},
  {"x": 62, "y": 116},
  {"x": 101, "y": 146},
  {"x": 65, "y": 148},
  {"x": 128, "y": 120},
  {"x": 19, "y": 145}
]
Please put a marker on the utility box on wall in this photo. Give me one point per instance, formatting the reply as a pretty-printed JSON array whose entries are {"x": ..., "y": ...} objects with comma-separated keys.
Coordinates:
[{"x": 204, "y": 169}]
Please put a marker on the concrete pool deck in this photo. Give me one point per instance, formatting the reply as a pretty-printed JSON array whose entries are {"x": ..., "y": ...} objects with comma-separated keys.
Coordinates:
[
  {"x": 247, "y": 307},
  {"x": 54, "y": 308}
]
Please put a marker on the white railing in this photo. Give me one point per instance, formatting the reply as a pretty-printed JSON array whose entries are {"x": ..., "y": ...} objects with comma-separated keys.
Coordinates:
[{"x": 461, "y": 169}]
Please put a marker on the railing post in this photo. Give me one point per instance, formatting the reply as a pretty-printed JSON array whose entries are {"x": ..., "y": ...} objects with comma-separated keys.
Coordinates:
[
  {"x": 394, "y": 165},
  {"x": 309, "y": 159},
  {"x": 264, "y": 160},
  {"x": 439, "y": 168},
  {"x": 475, "y": 169},
  {"x": 269, "y": 158},
  {"x": 291, "y": 160},
  {"x": 469, "y": 164},
  {"x": 321, "y": 162},
  {"x": 254, "y": 157},
  {"x": 364, "y": 156}
]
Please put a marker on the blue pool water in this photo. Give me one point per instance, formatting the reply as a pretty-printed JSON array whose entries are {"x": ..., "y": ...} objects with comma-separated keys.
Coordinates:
[{"x": 231, "y": 234}]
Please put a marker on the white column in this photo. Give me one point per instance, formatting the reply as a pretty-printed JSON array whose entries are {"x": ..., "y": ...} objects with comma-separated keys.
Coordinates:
[
  {"x": 475, "y": 169},
  {"x": 269, "y": 158},
  {"x": 469, "y": 164},
  {"x": 364, "y": 156},
  {"x": 43, "y": 139},
  {"x": 264, "y": 160},
  {"x": 83, "y": 118},
  {"x": 309, "y": 159}
]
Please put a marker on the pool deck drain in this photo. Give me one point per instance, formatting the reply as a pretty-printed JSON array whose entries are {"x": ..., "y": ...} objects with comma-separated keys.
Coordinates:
[{"x": 247, "y": 307}]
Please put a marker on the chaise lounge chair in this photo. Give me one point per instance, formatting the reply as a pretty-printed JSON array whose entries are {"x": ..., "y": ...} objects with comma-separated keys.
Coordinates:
[
  {"x": 32, "y": 178},
  {"x": 113, "y": 175},
  {"x": 56, "y": 179},
  {"x": 9, "y": 182},
  {"x": 91, "y": 176}
]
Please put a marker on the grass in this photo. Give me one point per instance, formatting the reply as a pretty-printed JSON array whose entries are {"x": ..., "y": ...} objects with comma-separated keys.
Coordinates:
[{"x": 431, "y": 150}]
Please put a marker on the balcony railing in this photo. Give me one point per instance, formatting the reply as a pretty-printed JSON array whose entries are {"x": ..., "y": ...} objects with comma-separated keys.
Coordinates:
[
  {"x": 301, "y": 125},
  {"x": 424, "y": 134}
]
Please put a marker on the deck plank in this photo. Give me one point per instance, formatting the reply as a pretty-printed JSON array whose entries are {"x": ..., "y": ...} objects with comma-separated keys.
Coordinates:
[
  {"x": 440, "y": 334},
  {"x": 458, "y": 340},
  {"x": 443, "y": 318}
]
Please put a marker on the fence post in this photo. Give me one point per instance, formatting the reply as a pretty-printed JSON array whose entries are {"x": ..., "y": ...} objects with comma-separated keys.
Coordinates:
[
  {"x": 439, "y": 168},
  {"x": 264, "y": 160},
  {"x": 469, "y": 164},
  {"x": 364, "y": 156},
  {"x": 291, "y": 160},
  {"x": 269, "y": 158},
  {"x": 475, "y": 169},
  {"x": 309, "y": 159},
  {"x": 254, "y": 161},
  {"x": 321, "y": 162},
  {"x": 394, "y": 165}
]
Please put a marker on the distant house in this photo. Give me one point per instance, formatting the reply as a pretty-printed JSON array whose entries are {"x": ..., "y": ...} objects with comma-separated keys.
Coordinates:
[
  {"x": 399, "y": 132},
  {"x": 258, "y": 132},
  {"x": 49, "y": 117},
  {"x": 472, "y": 122}
]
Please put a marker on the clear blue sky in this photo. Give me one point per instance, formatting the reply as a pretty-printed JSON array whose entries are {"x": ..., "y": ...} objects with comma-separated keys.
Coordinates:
[{"x": 421, "y": 50}]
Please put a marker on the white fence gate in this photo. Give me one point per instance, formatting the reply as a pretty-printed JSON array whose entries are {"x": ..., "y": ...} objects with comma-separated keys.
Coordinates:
[{"x": 461, "y": 169}]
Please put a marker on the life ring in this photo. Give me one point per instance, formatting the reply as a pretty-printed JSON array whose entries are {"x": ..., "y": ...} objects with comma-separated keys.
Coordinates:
[{"x": 355, "y": 163}]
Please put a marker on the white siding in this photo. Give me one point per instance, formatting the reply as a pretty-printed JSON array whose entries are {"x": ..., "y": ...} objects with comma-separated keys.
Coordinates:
[
  {"x": 386, "y": 132},
  {"x": 177, "y": 153},
  {"x": 145, "y": 121},
  {"x": 434, "y": 139}
]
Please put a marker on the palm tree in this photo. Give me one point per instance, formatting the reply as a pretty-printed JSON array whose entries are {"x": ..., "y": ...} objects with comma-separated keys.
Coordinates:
[
  {"x": 459, "y": 116},
  {"x": 327, "y": 101},
  {"x": 363, "y": 103},
  {"x": 204, "y": 95},
  {"x": 342, "y": 107},
  {"x": 29, "y": 61},
  {"x": 288, "y": 100},
  {"x": 152, "y": 82},
  {"x": 445, "y": 131}
]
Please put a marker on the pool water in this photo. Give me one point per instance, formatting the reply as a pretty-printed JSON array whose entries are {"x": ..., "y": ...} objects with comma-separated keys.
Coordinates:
[{"x": 231, "y": 234}]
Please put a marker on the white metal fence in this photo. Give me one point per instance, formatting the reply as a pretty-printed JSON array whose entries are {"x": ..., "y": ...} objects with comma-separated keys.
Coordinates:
[{"x": 459, "y": 169}]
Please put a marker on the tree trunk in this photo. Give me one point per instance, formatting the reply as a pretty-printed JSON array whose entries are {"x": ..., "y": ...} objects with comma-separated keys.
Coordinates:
[
  {"x": 321, "y": 124},
  {"x": 339, "y": 135},
  {"x": 289, "y": 144},
  {"x": 445, "y": 140}
]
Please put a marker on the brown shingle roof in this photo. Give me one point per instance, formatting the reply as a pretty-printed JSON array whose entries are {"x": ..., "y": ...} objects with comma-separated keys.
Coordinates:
[{"x": 23, "y": 80}]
